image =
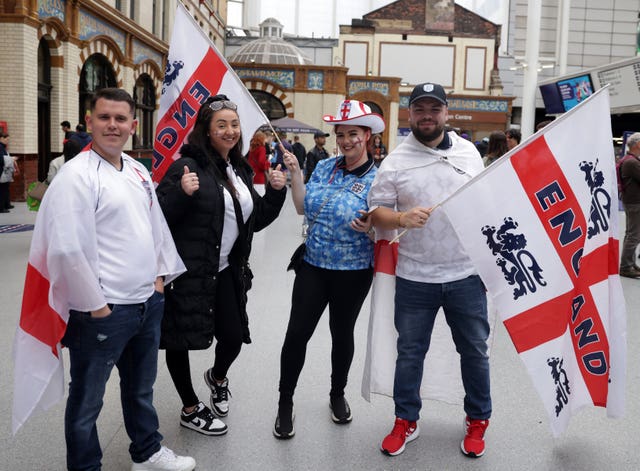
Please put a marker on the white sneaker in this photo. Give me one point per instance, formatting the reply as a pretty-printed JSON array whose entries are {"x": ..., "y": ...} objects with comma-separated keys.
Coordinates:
[{"x": 165, "y": 459}]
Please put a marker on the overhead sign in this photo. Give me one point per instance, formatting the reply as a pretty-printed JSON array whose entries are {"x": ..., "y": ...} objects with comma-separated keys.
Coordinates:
[
  {"x": 624, "y": 85},
  {"x": 623, "y": 77}
]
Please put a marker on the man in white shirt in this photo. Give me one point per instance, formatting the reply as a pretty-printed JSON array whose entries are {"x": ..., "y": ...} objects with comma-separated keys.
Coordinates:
[
  {"x": 108, "y": 251},
  {"x": 433, "y": 270}
]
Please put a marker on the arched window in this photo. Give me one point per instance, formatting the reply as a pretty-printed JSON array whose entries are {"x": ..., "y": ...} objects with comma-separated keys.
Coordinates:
[
  {"x": 97, "y": 72},
  {"x": 145, "y": 97},
  {"x": 271, "y": 106}
]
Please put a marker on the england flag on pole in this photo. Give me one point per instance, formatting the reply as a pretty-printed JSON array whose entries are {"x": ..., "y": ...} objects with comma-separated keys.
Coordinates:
[
  {"x": 195, "y": 71},
  {"x": 541, "y": 226}
]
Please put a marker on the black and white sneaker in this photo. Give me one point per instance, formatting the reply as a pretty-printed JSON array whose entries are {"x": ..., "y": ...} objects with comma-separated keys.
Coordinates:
[
  {"x": 203, "y": 421},
  {"x": 340, "y": 410},
  {"x": 283, "y": 427},
  {"x": 219, "y": 394}
]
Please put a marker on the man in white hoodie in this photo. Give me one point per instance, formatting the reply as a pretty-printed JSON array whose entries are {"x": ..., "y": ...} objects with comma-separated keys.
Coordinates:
[{"x": 433, "y": 270}]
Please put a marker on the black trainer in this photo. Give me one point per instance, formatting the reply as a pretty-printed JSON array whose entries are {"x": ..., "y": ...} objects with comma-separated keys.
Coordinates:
[
  {"x": 219, "y": 394},
  {"x": 202, "y": 420},
  {"x": 340, "y": 410},
  {"x": 283, "y": 427}
]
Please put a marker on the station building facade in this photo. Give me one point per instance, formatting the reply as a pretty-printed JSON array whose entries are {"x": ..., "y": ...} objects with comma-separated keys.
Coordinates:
[
  {"x": 378, "y": 59},
  {"x": 56, "y": 53}
]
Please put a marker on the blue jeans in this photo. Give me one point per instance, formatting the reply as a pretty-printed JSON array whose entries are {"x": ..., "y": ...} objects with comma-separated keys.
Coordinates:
[
  {"x": 465, "y": 307},
  {"x": 127, "y": 338}
]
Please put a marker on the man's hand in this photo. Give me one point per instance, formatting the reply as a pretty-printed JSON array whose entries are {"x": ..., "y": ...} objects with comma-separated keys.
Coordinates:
[{"x": 102, "y": 312}]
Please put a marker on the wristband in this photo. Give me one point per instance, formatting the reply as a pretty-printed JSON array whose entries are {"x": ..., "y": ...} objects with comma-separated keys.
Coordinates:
[{"x": 399, "y": 221}]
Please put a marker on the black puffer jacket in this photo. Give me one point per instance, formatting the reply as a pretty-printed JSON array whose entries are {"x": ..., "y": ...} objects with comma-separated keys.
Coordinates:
[{"x": 196, "y": 225}]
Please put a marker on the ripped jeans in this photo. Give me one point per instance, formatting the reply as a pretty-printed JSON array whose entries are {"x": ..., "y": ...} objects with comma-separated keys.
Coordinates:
[{"x": 128, "y": 338}]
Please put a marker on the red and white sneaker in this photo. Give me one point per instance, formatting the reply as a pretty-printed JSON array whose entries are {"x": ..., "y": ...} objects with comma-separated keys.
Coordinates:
[
  {"x": 403, "y": 432},
  {"x": 473, "y": 443}
]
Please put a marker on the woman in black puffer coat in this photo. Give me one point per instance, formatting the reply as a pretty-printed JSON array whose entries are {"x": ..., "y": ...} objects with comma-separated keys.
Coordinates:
[{"x": 204, "y": 195}]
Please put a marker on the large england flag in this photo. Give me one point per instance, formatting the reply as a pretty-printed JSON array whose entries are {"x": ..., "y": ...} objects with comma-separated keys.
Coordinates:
[
  {"x": 541, "y": 225},
  {"x": 195, "y": 71}
]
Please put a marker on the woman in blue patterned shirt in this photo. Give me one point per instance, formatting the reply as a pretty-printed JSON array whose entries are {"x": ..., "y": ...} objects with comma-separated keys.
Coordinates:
[{"x": 338, "y": 264}]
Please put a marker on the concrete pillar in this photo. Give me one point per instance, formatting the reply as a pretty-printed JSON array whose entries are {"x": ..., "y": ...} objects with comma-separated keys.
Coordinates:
[{"x": 532, "y": 51}]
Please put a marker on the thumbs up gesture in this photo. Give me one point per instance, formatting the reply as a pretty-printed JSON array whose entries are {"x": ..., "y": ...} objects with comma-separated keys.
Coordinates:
[
  {"x": 189, "y": 181},
  {"x": 277, "y": 178}
]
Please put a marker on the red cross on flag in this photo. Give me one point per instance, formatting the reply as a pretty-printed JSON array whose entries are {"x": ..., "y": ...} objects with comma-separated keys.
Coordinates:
[
  {"x": 541, "y": 225},
  {"x": 345, "y": 110}
]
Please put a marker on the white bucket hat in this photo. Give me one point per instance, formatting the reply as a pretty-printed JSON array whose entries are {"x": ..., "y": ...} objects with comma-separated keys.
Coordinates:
[{"x": 356, "y": 113}]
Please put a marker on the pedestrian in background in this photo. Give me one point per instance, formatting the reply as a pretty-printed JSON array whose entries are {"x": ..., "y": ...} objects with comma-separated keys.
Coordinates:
[
  {"x": 316, "y": 154},
  {"x": 496, "y": 149},
  {"x": 299, "y": 151},
  {"x": 379, "y": 150},
  {"x": 337, "y": 268},
  {"x": 514, "y": 136},
  {"x": 70, "y": 149},
  {"x": 81, "y": 135},
  {"x": 8, "y": 168},
  {"x": 208, "y": 198},
  {"x": 257, "y": 158},
  {"x": 433, "y": 270},
  {"x": 113, "y": 284},
  {"x": 630, "y": 181},
  {"x": 278, "y": 155},
  {"x": 66, "y": 129}
]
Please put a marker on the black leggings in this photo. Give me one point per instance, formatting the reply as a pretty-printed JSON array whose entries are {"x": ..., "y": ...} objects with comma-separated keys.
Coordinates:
[
  {"x": 228, "y": 334},
  {"x": 344, "y": 291}
]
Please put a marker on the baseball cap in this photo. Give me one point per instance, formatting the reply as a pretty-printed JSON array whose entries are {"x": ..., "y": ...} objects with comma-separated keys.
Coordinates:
[
  {"x": 428, "y": 90},
  {"x": 320, "y": 134}
]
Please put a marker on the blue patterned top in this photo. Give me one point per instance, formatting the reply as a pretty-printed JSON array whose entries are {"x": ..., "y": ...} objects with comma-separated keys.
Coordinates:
[{"x": 331, "y": 242}]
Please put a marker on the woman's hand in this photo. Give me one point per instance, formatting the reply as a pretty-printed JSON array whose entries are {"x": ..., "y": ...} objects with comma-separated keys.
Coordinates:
[
  {"x": 362, "y": 223},
  {"x": 189, "y": 182},
  {"x": 291, "y": 161},
  {"x": 277, "y": 178}
]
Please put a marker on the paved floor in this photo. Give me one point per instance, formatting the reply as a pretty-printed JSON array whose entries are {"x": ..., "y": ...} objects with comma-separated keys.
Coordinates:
[{"x": 518, "y": 438}]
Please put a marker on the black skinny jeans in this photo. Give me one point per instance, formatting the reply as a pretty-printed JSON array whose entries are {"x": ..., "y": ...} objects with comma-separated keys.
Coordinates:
[
  {"x": 228, "y": 334},
  {"x": 313, "y": 289}
]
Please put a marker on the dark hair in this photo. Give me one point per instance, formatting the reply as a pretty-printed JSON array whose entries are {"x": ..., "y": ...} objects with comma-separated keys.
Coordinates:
[
  {"x": 542, "y": 124},
  {"x": 65, "y": 124},
  {"x": 199, "y": 136},
  {"x": 70, "y": 149},
  {"x": 113, "y": 94},
  {"x": 81, "y": 128},
  {"x": 497, "y": 144},
  {"x": 514, "y": 133}
]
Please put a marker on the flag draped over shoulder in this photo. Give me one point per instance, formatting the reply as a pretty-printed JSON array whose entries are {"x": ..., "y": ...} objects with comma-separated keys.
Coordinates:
[
  {"x": 541, "y": 226},
  {"x": 441, "y": 379},
  {"x": 63, "y": 272},
  {"x": 195, "y": 71}
]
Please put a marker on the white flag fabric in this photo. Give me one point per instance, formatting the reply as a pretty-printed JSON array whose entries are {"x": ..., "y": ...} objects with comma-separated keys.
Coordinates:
[
  {"x": 195, "y": 71},
  {"x": 541, "y": 226},
  {"x": 441, "y": 378}
]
